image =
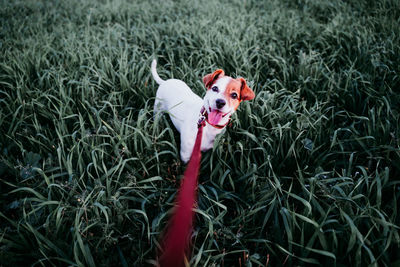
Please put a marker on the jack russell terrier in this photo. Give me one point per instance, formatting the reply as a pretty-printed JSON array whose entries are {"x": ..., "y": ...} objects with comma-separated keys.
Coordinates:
[{"x": 222, "y": 98}]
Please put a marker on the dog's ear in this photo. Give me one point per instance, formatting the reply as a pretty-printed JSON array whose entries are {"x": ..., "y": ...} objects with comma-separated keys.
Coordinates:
[
  {"x": 245, "y": 92},
  {"x": 209, "y": 79}
]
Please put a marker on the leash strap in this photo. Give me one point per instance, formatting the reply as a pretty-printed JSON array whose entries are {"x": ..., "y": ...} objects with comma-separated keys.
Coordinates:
[{"x": 175, "y": 243}]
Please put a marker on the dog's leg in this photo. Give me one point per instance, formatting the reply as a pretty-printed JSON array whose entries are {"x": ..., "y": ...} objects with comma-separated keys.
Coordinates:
[
  {"x": 187, "y": 144},
  {"x": 158, "y": 107},
  {"x": 185, "y": 154}
]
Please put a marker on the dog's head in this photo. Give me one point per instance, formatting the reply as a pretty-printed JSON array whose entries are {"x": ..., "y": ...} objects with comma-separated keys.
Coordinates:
[{"x": 224, "y": 95}]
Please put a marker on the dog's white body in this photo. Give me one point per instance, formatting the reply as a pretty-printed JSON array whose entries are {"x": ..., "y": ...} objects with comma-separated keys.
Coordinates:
[{"x": 184, "y": 108}]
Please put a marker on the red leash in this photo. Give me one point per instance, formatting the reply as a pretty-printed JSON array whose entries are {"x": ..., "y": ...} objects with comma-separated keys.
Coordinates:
[{"x": 175, "y": 243}]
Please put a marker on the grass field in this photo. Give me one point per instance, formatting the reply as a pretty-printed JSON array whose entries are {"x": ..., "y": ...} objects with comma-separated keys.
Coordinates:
[{"x": 307, "y": 175}]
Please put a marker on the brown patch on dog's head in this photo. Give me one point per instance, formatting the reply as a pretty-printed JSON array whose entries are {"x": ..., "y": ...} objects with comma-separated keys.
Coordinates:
[
  {"x": 232, "y": 93},
  {"x": 237, "y": 91},
  {"x": 210, "y": 79}
]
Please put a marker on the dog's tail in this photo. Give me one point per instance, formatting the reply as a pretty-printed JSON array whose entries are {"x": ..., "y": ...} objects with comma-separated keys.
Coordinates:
[{"x": 154, "y": 72}]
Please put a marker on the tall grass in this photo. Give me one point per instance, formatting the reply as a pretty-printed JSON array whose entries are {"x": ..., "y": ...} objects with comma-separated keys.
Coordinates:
[{"x": 308, "y": 174}]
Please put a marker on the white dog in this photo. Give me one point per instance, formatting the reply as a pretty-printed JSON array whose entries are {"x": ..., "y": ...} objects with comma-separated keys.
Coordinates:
[{"x": 222, "y": 98}]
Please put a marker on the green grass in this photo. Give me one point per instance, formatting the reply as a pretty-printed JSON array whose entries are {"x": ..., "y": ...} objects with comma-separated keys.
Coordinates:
[{"x": 307, "y": 175}]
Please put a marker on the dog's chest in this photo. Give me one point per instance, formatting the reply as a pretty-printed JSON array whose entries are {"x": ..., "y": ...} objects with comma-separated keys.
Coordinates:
[{"x": 208, "y": 138}]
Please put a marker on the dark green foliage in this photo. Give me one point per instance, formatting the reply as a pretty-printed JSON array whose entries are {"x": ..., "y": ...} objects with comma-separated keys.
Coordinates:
[{"x": 307, "y": 175}]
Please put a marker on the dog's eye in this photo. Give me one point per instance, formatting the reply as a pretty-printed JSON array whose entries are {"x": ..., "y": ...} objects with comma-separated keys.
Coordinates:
[
  {"x": 214, "y": 88},
  {"x": 234, "y": 95}
]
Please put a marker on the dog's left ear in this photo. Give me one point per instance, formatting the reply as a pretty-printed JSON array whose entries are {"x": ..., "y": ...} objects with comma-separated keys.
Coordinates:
[
  {"x": 245, "y": 92},
  {"x": 209, "y": 79}
]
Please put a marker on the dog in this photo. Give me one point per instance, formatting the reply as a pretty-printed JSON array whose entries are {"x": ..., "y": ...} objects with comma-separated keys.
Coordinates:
[{"x": 222, "y": 98}]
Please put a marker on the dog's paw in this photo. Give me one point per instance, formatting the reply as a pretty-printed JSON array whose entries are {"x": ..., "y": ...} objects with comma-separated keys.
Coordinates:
[{"x": 185, "y": 157}]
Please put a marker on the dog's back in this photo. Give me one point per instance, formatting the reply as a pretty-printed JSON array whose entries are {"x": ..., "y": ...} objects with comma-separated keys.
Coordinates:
[{"x": 177, "y": 98}]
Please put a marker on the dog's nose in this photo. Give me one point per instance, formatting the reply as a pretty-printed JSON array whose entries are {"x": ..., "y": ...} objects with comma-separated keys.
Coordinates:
[{"x": 220, "y": 103}]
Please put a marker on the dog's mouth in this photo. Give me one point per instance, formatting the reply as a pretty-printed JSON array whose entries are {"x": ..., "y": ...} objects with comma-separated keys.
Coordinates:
[{"x": 215, "y": 116}]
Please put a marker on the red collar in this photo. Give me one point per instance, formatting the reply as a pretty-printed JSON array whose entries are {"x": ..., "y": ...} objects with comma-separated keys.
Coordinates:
[{"x": 204, "y": 114}]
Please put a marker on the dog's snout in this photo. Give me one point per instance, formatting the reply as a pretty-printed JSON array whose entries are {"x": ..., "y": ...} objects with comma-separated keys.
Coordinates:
[{"x": 220, "y": 103}]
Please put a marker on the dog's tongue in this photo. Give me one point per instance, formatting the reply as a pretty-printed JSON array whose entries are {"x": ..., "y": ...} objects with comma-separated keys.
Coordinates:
[{"x": 214, "y": 117}]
